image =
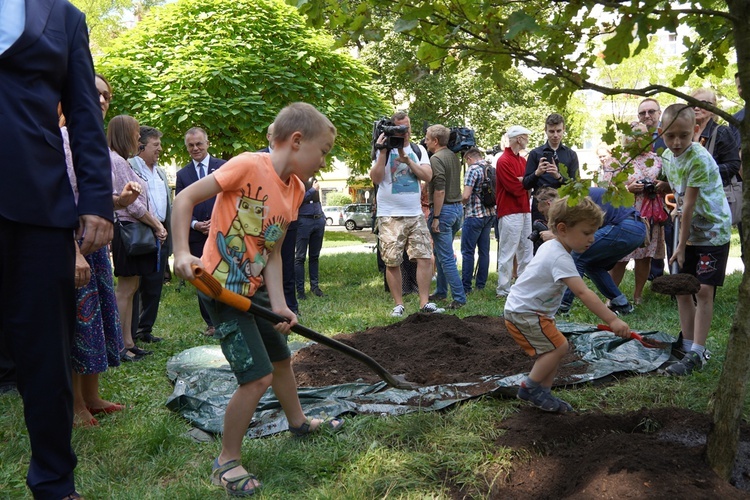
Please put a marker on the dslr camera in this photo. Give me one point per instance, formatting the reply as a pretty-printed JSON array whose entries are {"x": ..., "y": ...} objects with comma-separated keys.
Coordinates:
[
  {"x": 390, "y": 130},
  {"x": 537, "y": 227},
  {"x": 649, "y": 188}
]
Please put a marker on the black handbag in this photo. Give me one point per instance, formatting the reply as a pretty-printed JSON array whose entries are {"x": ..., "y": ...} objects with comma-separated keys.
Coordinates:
[{"x": 137, "y": 238}]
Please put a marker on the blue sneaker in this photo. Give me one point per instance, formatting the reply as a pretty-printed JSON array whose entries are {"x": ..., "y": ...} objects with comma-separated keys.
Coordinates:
[{"x": 543, "y": 399}]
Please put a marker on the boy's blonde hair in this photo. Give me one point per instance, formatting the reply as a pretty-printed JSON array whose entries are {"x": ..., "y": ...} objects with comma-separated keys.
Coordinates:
[
  {"x": 300, "y": 117},
  {"x": 677, "y": 111},
  {"x": 585, "y": 211}
]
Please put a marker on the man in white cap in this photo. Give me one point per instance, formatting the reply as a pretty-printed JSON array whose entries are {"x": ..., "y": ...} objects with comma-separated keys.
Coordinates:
[{"x": 513, "y": 210}]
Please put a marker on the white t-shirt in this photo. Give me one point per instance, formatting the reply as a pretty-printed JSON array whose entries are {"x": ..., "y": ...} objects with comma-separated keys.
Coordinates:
[
  {"x": 540, "y": 288},
  {"x": 399, "y": 192}
]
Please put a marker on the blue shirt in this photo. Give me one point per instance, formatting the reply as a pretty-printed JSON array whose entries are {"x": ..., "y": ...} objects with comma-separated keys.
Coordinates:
[{"x": 13, "y": 14}]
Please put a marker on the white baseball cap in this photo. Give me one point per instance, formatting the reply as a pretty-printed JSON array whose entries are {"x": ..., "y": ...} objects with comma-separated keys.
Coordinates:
[{"x": 517, "y": 130}]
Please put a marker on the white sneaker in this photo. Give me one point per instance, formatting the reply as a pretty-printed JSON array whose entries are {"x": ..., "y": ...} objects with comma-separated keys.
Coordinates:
[
  {"x": 431, "y": 308},
  {"x": 398, "y": 311}
]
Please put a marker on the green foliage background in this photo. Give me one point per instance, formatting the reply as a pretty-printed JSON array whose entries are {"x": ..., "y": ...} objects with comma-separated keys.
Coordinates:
[{"x": 229, "y": 67}]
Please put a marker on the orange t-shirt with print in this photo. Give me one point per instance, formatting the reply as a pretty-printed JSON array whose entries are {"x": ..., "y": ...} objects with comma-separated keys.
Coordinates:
[{"x": 251, "y": 214}]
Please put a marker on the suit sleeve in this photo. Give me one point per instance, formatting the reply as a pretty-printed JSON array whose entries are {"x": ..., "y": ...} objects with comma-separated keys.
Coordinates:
[
  {"x": 179, "y": 184},
  {"x": 80, "y": 105}
]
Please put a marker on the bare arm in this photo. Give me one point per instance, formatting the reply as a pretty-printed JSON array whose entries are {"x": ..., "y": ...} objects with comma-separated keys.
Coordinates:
[
  {"x": 182, "y": 214},
  {"x": 272, "y": 276},
  {"x": 466, "y": 194},
  {"x": 377, "y": 172},
  {"x": 596, "y": 306}
]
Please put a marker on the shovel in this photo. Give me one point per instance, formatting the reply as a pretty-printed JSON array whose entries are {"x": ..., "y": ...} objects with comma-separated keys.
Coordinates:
[
  {"x": 645, "y": 342},
  {"x": 210, "y": 286}
]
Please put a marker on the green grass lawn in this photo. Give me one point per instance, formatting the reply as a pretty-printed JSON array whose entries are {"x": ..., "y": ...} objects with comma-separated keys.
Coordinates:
[{"x": 144, "y": 453}]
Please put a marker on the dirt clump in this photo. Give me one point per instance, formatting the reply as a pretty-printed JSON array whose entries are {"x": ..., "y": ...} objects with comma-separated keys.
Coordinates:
[
  {"x": 426, "y": 349},
  {"x": 651, "y": 453}
]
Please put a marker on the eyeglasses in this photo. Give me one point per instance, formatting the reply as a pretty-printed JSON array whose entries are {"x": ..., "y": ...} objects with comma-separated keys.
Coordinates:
[
  {"x": 106, "y": 94},
  {"x": 648, "y": 112}
]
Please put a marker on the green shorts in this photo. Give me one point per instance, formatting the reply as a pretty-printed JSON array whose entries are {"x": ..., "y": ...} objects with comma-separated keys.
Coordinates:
[{"x": 249, "y": 343}]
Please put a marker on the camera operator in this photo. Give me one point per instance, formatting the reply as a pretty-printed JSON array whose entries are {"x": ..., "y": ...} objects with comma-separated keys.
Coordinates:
[{"x": 397, "y": 173}]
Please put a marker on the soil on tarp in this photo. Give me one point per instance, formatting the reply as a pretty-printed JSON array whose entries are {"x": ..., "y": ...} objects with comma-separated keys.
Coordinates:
[
  {"x": 651, "y": 453},
  {"x": 426, "y": 349}
]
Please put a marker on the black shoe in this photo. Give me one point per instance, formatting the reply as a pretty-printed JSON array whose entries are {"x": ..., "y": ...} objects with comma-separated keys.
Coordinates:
[
  {"x": 622, "y": 310},
  {"x": 455, "y": 305},
  {"x": 301, "y": 296},
  {"x": 147, "y": 337},
  {"x": 433, "y": 297},
  {"x": 126, "y": 355},
  {"x": 138, "y": 351},
  {"x": 317, "y": 292}
]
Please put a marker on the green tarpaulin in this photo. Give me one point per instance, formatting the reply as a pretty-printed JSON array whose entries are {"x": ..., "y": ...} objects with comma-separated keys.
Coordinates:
[{"x": 204, "y": 383}]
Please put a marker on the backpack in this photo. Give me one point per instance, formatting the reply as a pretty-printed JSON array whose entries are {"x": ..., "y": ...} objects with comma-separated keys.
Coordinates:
[
  {"x": 487, "y": 191},
  {"x": 461, "y": 139}
]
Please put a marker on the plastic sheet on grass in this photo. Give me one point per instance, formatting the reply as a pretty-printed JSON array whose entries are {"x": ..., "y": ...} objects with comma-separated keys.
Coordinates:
[{"x": 204, "y": 383}]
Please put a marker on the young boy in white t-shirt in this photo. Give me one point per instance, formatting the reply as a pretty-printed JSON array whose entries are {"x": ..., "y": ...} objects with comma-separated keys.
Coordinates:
[{"x": 536, "y": 296}]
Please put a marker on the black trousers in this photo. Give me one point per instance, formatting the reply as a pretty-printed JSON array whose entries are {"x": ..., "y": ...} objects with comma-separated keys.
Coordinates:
[
  {"x": 287, "y": 266},
  {"x": 147, "y": 297},
  {"x": 37, "y": 320}
]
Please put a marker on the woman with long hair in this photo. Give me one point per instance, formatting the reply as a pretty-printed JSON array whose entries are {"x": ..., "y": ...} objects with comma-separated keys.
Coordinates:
[
  {"x": 122, "y": 136},
  {"x": 97, "y": 339}
]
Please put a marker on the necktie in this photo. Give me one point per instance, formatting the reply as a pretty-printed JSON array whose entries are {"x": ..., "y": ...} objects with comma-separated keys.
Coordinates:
[{"x": 202, "y": 170}]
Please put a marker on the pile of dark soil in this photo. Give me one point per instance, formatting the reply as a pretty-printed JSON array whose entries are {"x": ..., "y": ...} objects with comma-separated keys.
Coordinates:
[
  {"x": 426, "y": 349},
  {"x": 655, "y": 453}
]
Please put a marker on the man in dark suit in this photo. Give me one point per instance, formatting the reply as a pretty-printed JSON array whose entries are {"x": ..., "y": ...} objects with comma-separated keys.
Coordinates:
[
  {"x": 45, "y": 60},
  {"x": 202, "y": 164}
]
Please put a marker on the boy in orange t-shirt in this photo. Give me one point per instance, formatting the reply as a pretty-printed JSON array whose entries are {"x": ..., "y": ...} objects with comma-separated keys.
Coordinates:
[{"x": 257, "y": 195}]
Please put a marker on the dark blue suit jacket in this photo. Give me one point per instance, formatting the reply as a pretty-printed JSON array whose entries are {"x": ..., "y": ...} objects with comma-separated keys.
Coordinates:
[
  {"x": 202, "y": 211},
  {"x": 42, "y": 68}
]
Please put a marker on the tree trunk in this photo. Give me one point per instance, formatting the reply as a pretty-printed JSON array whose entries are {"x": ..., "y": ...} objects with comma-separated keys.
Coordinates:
[{"x": 721, "y": 447}]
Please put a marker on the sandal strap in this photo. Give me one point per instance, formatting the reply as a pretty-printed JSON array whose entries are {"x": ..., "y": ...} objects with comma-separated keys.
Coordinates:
[
  {"x": 334, "y": 424},
  {"x": 302, "y": 430},
  {"x": 218, "y": 471},
  {"x": 237, "y": 486}
]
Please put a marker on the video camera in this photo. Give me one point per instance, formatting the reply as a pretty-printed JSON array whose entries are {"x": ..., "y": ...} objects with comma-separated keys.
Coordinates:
[{"x": 391, "y": 131}]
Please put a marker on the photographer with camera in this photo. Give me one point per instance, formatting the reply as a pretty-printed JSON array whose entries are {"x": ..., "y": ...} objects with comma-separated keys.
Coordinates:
[
  {"x": 398, "y": 167},
  {"x": 513, "y": 211},
  {"x": 646, "y": 169}
]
